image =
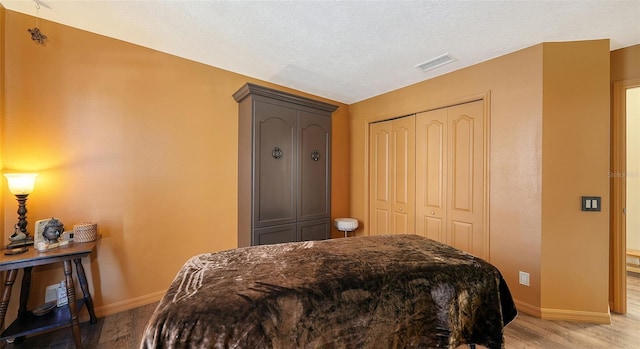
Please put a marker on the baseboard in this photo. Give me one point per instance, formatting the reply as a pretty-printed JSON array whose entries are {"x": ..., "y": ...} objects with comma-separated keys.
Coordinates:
[
  {"x": 527, "y": 308},
  {"x": 546, "y": 314},
  {"x": 129, "y": 304},
  {"x": 634, "y": 268},
  {"x": 563, "y": 315},
  {"x": 577, "y": 316}
]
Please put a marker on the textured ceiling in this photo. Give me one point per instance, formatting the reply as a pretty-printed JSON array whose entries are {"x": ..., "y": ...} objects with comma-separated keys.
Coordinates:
[{"x": 343, "y": 50}]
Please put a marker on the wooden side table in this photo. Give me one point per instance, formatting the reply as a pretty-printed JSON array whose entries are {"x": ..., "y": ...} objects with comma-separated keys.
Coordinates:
[{"x": 27, "y": 323}]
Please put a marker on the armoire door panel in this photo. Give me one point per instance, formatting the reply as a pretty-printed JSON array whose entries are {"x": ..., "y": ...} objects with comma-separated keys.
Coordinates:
[
  {"x": 379, "y": 179},
  {"x": 314, "y": 144},
  {"x": 403, "y": 175},
  {"x": 319, "y": 229},
  {"x": 275, "y": 234},
  {"x": 275, "y": 165},
  {"x": 284, "y": 165},
  {"x": 431, "y": 164}
]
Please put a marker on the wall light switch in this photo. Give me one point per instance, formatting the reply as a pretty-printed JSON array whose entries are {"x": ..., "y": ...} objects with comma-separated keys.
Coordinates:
[
  {"x": 591, "y": 203},
  {"x": 523, "y": 278}
]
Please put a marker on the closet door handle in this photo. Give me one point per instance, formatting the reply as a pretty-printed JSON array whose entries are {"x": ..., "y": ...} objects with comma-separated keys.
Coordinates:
[
  {"x": 276, "y": 153},
  {"x": 315, "y": 155}
]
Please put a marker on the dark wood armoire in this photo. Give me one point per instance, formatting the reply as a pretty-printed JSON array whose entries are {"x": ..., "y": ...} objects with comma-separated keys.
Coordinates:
[{"x": 284, "y": 167}]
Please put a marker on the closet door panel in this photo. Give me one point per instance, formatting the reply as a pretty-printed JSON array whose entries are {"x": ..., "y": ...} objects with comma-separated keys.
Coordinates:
[
  {"x": 274, "y": 165},
  {"x": 434, "y": 228},
  {"x": 462, "y": 163},
  {"x": 379, "y": 178},
  {"x": 314, "y": 176},
  {"x": 462, "y": 235},
  {"x": 431, "y": 164},
  {"x": 402, "y": 223},
  {"x": 441, "y": 194},
  {"x": 403, "y": 175},
  {"x": 465, "y": 188}
]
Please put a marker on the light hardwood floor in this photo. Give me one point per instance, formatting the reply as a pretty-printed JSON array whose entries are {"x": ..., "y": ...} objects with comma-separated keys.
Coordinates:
[
  {"x": 124, "y": 330},
  {"x": 624, "y": 332}
]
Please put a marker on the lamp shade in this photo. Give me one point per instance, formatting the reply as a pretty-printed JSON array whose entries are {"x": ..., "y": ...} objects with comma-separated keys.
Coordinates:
[{"x": 21, "y": 183}]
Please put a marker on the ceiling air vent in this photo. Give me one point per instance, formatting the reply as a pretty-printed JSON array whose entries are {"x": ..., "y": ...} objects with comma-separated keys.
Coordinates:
[{"x": 436, "y": 62}]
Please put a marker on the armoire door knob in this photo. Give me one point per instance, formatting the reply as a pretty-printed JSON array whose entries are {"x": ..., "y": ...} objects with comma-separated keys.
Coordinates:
[
  {"x": 315, "y": 155},
  {"x": 276, "y": 153}
]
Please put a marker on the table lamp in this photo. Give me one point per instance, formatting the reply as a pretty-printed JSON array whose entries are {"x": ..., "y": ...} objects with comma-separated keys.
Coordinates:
[{"x": 21, "y": 185}]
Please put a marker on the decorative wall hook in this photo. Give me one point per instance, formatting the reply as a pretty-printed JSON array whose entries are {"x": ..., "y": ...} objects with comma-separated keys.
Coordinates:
[{"x": 36, "y": 34}]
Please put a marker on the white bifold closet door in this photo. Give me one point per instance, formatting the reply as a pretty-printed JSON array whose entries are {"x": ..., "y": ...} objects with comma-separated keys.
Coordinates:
[
  {"x": 392, "y": 176},
  {"x": 450, "y": 183}
]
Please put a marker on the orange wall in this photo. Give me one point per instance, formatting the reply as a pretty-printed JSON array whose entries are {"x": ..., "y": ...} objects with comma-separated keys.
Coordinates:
[
  {"x": 624, "y": 66},
  {"x": 144, "y": 144},
  {"x": 514, "y": 82},
  {"x": 625, "y": 63},
  {"x": 520, "y": 157},
  {"x": 2, "y": 104},
  {"x": 575, "y": 251},
  {"x": 141, "y": 142}
]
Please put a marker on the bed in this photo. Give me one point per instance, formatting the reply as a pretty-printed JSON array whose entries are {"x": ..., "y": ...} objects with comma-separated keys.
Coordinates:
[{"x": 395, "y": 291}]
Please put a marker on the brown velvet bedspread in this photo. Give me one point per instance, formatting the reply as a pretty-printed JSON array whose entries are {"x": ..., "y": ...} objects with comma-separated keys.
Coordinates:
[{"x": 400, "y": 291}]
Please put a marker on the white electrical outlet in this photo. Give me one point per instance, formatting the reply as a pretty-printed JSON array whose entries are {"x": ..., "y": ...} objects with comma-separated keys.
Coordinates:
[
  {"x": 51, "y": 294},
  {"x": 524, "y": 278}
]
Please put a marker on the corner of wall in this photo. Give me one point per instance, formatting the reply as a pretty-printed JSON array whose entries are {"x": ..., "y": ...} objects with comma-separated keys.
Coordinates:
[
  {"x": 575, "y": 162},
  {"x": 2, "y": 103},
  {"x": 624, "y": 63}
]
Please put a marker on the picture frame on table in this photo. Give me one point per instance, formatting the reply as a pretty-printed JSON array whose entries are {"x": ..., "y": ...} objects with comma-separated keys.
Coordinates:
[{"x": 39, "y": 229}]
